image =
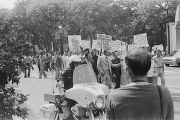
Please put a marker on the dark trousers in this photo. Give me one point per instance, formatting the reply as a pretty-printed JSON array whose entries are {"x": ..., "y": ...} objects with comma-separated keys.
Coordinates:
[
  {"x": 27, "y": 70},
  {"x": 47, "y": 66},
  {"x": 39, "y": 67},
  {"x": 118, "y": 80}
]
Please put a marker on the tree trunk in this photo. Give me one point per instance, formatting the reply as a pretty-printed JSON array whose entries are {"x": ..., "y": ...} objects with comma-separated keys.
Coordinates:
[
  {"x": 91, "y": 40},
  {"x": 61, "y": 45}
]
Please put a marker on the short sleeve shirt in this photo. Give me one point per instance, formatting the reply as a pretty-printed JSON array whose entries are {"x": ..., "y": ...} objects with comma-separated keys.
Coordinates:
[
  {"x": 138, "y": 102},
  {"x": 159, "y": 61}
]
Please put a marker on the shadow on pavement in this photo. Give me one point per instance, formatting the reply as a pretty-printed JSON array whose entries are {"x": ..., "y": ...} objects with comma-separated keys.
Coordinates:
[
  {"x": 176, "y": 97},
  {"x": 173, "y": 66},
  {"x": 177, "y": 112}
]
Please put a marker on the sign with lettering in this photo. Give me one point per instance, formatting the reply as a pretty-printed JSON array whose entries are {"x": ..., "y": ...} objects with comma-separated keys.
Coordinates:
[
  {"x": 74, "y": 43},
  {"x": 141, "y": 40},
  {"x": 85, "y": 44},
  {"x": 105, "y": 39}
]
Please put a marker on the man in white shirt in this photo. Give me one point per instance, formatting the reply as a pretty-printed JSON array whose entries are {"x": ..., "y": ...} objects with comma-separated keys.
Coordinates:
[
  {"x": 160, "y": 67},
  {"x": 104, "y": 65},
  {"x": 68, "y": 59}
]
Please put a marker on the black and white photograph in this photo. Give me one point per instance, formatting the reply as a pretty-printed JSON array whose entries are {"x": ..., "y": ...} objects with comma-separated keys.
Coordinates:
[{"x": 89, "y": 59}]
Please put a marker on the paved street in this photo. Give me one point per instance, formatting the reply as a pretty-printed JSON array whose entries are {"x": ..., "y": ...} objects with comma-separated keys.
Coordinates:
[
  {"x": 37, "y": 87},
  {"x": 172, "y": 75}
]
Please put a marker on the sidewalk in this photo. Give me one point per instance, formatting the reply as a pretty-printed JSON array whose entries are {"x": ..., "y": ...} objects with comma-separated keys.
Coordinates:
[{"x": 35, "y": 88}]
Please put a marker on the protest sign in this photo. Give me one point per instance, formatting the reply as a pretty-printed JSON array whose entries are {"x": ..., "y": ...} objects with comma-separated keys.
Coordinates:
[
  {"x": 85, "y": 44},
  {"x": 105, "y": 39},
  {"x": 157, "y": 47},
  {"x": 96, "y": 44},
  {"x": 141, "y": 40},
  {"x": 74, "y": 43}
]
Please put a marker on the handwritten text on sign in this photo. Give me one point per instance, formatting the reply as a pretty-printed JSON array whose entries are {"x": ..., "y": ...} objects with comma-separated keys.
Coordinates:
[
  {"x": 74, "y": 42},
  {"x": 141, "y": 40},
  {"x": 105, "y": 39}
]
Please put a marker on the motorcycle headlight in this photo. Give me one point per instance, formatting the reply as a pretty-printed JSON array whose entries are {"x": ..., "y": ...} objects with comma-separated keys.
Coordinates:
[
  {"x": 78, "y": 110},
  {"x": 100, "y": 103},
  {"x": 91, "y": 105}
]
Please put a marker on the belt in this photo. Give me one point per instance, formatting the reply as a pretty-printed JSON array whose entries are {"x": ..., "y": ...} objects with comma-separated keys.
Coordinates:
[{"x": 160, "y": 67}]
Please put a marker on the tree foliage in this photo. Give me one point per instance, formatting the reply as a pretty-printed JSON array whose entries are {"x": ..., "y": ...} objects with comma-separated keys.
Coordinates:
[
  {"x": 121, "y": 18},
  {"x": 12, "y": 48}
]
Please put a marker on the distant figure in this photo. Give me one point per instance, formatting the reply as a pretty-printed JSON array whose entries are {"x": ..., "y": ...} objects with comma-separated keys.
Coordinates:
[
  {"x": 27, "y": 63},
  {"x": 42, "y": 61},
  {"x": 91, "y": 63},
  {"x": 67, "y": 60},
  {"x": 160, "y": 66},
  {"x": 104, "y": 65},
  {"x": 67, "y": 74},
  {"x": 47, "y": 64},
  {"x": 58, "y": 65},
  {"x": 52, "y": 64},
  {"x": 60, "y": 86},
  {"x": 116, "y": 70},
  {"x": 152, "y": 73},
  {"x": 38, "y": 63},
  {"x": 94, "y": 55}
]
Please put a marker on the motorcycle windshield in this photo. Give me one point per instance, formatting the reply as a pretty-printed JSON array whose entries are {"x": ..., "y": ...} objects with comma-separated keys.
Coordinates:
[{"x": 84, "y": 74}]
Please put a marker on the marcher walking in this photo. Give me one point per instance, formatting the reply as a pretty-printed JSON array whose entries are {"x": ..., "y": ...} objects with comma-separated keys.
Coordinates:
[
  {"x": 116, "y": 70},
  {"x": 160, "y": 67},
  {"x": 58, "y": 65},
  {"x": 27, "y": 63},
  {"x": 152, "y": 73},
  {"x": 104, "y": 65},
  {"x": 42, "y": 64}
]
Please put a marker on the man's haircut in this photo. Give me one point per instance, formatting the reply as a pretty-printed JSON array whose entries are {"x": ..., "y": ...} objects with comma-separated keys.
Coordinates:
[
  {"x": 86, "y": 55},
  {"x": 139, "y": 61},
  {"x": 105, "y": 51},
  {"x": 41, "y": 53},
  {"x": 87, "y": 49}
]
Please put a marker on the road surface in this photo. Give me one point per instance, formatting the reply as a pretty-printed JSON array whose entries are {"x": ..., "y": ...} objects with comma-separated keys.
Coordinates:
[{"x": 37, "y": 87}]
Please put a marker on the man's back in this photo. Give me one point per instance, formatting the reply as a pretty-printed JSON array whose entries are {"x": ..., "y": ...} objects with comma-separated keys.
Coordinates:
[{"x": 139, "y": 102}]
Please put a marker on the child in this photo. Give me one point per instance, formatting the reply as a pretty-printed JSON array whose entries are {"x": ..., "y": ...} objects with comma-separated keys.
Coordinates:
[
  {"x": 60, "y": 86},
  {"x": 112, "y": 86}
]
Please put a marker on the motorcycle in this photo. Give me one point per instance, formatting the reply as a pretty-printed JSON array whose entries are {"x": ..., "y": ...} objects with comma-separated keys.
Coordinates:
[{"x": 86, "y": 100}]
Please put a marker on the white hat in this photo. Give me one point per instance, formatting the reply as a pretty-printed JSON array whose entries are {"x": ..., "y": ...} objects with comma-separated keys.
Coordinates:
[{"x": 75, "y": 58}]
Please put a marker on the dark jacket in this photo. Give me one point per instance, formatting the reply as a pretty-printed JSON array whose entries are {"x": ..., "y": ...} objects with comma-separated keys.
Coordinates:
[
  {"x": 59, "y": 62},
  {"x": 95, "y": 58},
  {"x": 94, "y": 66},
  {"x": 116, "y": 71},
  {"x": 67, "y": 77}
]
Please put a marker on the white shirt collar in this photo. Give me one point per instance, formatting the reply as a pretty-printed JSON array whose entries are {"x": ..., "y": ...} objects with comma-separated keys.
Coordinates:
[{"x": 137, "y": 83}]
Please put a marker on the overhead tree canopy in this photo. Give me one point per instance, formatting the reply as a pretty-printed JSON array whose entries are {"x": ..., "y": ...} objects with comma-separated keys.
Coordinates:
[{"x": 39, "y": 19}]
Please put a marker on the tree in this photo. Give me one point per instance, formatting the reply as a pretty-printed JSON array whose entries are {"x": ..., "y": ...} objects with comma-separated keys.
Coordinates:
[
  {"x": 45, "y": 19},
  {"x": 120, "y": 19},
  {"x": 155, "y": 16},
  {"x": 10, "y": 62}
]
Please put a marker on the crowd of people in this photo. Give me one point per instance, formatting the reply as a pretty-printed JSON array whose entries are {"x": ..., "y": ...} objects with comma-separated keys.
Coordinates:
[
  {"x": 108, "y": 66},
  {"x": 141, "y": 99}
]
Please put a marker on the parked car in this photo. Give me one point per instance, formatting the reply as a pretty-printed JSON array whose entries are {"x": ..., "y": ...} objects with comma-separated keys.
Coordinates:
[{"x": 173, "y": 58}]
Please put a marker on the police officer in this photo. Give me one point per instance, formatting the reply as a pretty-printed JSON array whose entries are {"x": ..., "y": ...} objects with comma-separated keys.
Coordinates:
[{"x": 67, "y": 75}]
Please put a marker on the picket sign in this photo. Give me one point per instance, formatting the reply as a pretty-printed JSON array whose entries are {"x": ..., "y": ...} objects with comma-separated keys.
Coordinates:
[
  {"x": 140, "y": 40},
  {"x": 74, "y": 43},
  {"x": 104, "y": 40}
]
